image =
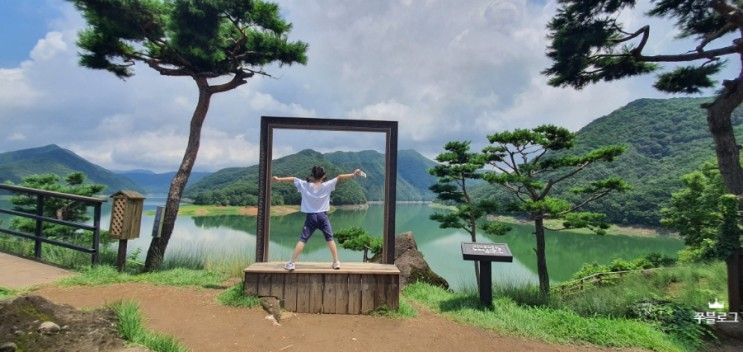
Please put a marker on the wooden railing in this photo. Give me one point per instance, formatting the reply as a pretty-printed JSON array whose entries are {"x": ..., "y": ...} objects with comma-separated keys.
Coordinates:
[
  {"x": 38, "y": 235},
  {"x": 597, "y": 279}
]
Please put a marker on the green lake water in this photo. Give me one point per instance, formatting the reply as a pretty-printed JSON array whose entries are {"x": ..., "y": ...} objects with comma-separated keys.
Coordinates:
[{"x": 234, "y": 235}]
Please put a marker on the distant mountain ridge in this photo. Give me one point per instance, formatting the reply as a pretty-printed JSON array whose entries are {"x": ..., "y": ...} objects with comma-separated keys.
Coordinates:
[
  {"x": 238, "y": 185},
  {"x": 16, "y": 165},
  {"x": 152, "y": 182},
  {"x": 665, "y": 139}
]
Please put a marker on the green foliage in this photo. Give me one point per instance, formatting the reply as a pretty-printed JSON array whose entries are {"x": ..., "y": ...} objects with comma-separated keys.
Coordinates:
[
  {"x": 458, "y": 166},
  {"x": 106, "y": 275},
  {"x": 57, "y": 208},
  {"x": 651, "y": 260},
  {"x": 132, "y": 329},
  {"x": 687, "y": 79},
  {"x": 51, "y": 159},
  {"x": 357, "y": 239},
  {"x": 693, "y": 286},
  {"x": 239, "y": 186},
  {"x": 705, "y": 217},
  {"x": 235, "y": 297},
  {"x": 186, "y": 38},
  {"x": 588, "y": 44},
  {"x": 544, "y": 323},
  {"x": 665, "y": 139},
  {"x": 529, "y": 163},
  {"x": 674, "y": 319}
]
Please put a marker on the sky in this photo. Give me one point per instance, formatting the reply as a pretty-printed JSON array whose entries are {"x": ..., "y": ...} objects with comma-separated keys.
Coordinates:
[{"x": 446, "y": 70}]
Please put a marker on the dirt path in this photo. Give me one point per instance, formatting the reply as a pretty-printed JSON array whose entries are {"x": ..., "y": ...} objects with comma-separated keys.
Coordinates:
[
  {"x": 193, "y": 317},
  {"x": 17, "y": 272}
]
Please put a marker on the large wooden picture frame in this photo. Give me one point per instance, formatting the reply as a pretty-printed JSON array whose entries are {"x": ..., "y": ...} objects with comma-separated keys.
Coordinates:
[{"x": 270, "y": 123}]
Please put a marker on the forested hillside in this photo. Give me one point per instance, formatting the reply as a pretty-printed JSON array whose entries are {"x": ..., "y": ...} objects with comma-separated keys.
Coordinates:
[
  {"x": 665, "y": 139},
  {"x": 16, "y": 165},
  {"x": 239, "y": 186},
  {"x": 151, "y": 182}
]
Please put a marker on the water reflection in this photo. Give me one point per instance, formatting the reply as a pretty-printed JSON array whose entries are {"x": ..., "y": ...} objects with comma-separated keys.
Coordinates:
[{"x": 231, "y": 235}]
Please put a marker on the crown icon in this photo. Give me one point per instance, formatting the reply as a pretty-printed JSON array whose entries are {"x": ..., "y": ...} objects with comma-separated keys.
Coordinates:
[{"x": 715, "y": 305}]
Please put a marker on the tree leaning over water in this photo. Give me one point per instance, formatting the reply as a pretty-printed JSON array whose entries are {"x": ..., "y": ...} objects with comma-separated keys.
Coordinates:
[
  {"x": 201, "y": 39},
  {"x": 530, "y": 163},
  {"x": 589, "y": 44}
]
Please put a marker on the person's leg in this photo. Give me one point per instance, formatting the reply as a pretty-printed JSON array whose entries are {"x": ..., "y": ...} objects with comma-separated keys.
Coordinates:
[
  {"x": 297, "y": 251},
  {"x": 327, "y": 230},
  {"x": 333, "y": 249},
  {"x": 310, "y": 225}
]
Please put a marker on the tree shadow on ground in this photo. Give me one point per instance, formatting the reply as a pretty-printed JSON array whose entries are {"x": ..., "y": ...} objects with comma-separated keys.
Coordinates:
[{"x": 461, "y": 302}]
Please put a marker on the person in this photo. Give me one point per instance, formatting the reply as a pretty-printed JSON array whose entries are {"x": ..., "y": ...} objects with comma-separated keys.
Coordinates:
[{"x": 316, "y": 203}]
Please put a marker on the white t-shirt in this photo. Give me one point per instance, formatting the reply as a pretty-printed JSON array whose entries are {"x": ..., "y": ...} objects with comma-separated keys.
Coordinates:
[{"x": 315, "y": 197}]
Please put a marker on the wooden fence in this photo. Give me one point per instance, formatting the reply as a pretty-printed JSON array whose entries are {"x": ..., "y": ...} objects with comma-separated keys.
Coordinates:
[{"x": 38, "y": 236}]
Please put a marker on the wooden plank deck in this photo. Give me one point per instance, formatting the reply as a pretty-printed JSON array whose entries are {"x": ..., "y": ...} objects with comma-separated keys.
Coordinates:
[{"x": 356, "y": 288}]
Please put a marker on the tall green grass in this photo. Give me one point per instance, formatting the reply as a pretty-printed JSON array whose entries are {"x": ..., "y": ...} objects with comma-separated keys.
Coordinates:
[
  {"x": 132, "y": 329},
  {"x": 544, "y": 323},
  {"x": 104, "y": 275},
  {"x": 231, "y": 262}
]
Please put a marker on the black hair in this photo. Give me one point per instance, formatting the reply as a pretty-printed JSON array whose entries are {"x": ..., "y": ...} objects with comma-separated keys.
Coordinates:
[{"x": 318, "y": 173}]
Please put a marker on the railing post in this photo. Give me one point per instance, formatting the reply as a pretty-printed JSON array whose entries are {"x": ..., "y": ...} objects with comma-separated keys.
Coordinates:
[
  {"x": 39, "y": 225},
  {"x": 96, "y": 233}
]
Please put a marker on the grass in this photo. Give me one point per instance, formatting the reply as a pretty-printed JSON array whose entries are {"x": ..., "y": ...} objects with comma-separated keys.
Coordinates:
[
  {"x": 231, "y": 263},
  {"x": 54, "y": 254},
  {"x": 404, "y": 311},
  {"x": 132, "y": 329},
  {"x": 690, "y": 285},
  {"x": 105, "y": 275},
  {"x": 6, "y": 293},
  {"x": 544, "y": 323},
  {"x": 235, "y": 297}
]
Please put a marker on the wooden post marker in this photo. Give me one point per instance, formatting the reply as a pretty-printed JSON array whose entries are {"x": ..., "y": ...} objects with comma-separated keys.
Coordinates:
[
  {"x": 126, "y": 218},
  {"x": 485, "y": 254}
]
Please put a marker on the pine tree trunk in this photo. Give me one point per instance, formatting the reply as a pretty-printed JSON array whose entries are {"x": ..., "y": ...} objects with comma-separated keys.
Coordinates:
[
  {"x": 544, "y": 279},
  {"x": 158, "y": 245},
  {"x": 719, "y": 114}
]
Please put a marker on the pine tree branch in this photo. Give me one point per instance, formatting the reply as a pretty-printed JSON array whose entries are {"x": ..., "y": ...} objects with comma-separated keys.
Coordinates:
[{"x": 239, "y": 79}]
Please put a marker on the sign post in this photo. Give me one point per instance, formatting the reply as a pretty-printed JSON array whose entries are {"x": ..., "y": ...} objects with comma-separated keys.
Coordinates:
[{"x": 485, "y": 254}]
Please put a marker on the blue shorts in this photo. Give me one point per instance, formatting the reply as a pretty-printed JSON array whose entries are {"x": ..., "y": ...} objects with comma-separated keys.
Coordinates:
[{"x": 316, "y": 221}]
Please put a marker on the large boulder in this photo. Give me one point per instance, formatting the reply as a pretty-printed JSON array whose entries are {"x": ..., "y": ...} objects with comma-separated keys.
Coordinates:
[{"x": 413, "y": 266}]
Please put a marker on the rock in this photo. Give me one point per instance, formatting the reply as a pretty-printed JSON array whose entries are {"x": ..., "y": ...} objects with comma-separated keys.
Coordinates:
[
  {"x": 8, "y": 347},
  {"x": 272, "y": 306},
  {"x": 413, "y": 266},
  {"x": 48, "y": 327}
]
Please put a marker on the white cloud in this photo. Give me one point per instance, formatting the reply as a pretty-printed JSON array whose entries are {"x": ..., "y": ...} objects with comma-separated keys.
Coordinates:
[
  {"x": 445, "y": 70},
  {"x": 48, "y": 47}
]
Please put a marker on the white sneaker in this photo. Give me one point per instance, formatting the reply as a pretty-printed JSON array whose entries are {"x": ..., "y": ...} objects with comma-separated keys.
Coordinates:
[
  {"x": 336, "y": 265},
  {"x": 289, "y": 266}
]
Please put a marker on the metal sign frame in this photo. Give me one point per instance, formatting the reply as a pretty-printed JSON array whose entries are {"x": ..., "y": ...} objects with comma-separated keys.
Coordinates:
[{"x": 270, "y": 123}]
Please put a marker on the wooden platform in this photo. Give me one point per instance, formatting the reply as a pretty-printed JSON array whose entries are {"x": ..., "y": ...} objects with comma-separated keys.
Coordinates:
[{"x": 356, "y": 288}]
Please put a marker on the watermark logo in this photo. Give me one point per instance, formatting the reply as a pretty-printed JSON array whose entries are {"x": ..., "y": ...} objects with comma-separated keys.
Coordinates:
[
  {"x": 715, "y": 305},
  {"x": 713, "y": 317}
]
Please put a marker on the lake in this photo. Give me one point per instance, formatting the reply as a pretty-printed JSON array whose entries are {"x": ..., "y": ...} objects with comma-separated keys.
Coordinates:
[{"x": 233, "y": 235}]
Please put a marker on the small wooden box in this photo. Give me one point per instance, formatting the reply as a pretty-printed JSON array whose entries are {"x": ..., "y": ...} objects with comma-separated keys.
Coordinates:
[{"x": 126, "y": 215}]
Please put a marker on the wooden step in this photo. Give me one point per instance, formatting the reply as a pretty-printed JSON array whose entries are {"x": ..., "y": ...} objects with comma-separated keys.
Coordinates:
[{"x": 356, "y": 288}]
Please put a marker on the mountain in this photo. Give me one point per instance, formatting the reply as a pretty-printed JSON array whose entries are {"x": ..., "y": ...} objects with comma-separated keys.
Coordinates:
[
  {"x": 413, "y": 179},
  {"x": 240, "y": 185},
  {"x": 16, "y": 165},
  {"x": 665, "y": 139},
  {"x": 152, "y": 182}
]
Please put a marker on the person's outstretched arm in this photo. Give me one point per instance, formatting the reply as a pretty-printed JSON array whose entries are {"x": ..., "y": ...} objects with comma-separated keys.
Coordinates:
[
  {"x": 283, "y": 179},
  {"x": 343, "y": 177}
]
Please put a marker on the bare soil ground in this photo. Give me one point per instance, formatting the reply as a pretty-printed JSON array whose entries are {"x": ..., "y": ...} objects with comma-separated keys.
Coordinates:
[
  {"x": 194, "y": 317},
  {"x": 80, "y": 331}
]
